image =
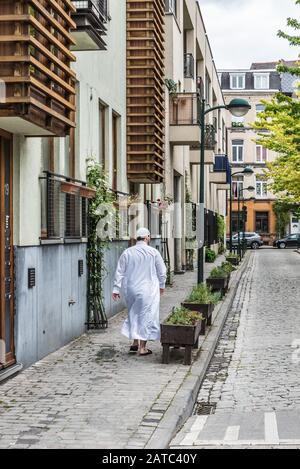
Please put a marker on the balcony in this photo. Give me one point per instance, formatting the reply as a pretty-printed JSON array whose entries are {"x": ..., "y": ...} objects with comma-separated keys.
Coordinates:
[
  {"x": 189, "y": 66},
  {"x": 90, "y": 18},
  {"x": 221, "y": 175},
  {"x": 35, "y": 67},
  {"x": 195, "y": 157},
  {"x": 184, "y": 125}
]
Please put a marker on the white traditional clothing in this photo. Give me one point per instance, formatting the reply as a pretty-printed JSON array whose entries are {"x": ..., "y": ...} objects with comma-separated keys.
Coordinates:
[{"x": 140, "y": 274}]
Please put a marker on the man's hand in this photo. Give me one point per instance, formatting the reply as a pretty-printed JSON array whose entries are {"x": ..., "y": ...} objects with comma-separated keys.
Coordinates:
[
  {"x": 162, "y": 291},
  {"x": 115, "y": 296}
]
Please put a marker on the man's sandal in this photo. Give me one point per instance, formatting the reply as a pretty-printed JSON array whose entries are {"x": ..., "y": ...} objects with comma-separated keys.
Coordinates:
[{"x": 145, "y": 354}]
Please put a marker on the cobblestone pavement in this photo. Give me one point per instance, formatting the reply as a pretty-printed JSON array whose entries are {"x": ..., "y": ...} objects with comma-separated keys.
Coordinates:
[
  {"x": 255, "y": 370},
  {"x": 92, "y": 394}
]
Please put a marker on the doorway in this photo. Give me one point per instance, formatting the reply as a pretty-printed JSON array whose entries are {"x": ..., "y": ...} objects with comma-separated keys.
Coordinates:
[{"x": 7, "y": 347}]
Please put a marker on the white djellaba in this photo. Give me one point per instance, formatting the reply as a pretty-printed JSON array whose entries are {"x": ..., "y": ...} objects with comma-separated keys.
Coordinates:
[{"x": 140, "y": 274}]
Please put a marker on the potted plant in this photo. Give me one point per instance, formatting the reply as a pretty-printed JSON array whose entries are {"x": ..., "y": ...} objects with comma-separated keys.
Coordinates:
[
  {"x": 203, "y": 300},
  {"x": 181, "y": 329},
  {"x": 234, "y": 259},
  {"x": 210, "y": 256},
  {"x": 219, "y": 280}
]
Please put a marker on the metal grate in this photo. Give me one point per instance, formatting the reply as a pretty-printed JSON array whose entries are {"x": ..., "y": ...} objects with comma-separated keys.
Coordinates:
[
  {"x": 205, "y": 408},
  {"x": 64, "y": 207}
]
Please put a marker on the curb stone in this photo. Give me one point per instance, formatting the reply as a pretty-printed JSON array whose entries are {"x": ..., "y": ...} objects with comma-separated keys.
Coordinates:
[{"x": 183, "y": 403}]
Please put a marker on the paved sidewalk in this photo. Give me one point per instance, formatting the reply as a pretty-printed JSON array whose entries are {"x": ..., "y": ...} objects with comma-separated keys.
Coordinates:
[{"x": 91, "y": 393}]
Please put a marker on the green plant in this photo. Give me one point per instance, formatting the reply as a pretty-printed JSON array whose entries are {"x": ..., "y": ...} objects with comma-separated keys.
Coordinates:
[
  {"x": 104, "y": 198},
  {"x": 233, "y": 256},
  {"x": 221, "y": 227},
  {"x": 202, "y": 294},
  {"x": 210, "y": 256},
  {"x": 172, "y": 86},
  {"x": 184, "y": 317},
  {"x": 228, "y": 268},
  {"x": 218, "y": 272}
]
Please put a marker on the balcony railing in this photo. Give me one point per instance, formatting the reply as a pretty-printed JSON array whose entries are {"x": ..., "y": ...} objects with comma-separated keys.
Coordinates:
[
  {"x": 64, "y": 207},
  {"x": 90, "y": 17},
  {"x": 222, "y": 165},
  {"x": 184, "y": 109},
  {"x": 210, "y": 137},
  {"x": 189, "y": 66}
]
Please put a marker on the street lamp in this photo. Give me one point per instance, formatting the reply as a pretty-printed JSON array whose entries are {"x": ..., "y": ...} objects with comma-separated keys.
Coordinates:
[
  {"x": 238, "y": 108},
  {"x": 247, "y": 171},
  {"x": 240, "y": 192}
]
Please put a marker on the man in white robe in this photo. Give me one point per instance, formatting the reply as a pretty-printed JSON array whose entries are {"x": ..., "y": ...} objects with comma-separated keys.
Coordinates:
[{"x": 141, "y": 276}]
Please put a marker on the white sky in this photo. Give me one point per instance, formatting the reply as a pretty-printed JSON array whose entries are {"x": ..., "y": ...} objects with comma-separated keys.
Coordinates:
[{"x": 245, "y": 31}]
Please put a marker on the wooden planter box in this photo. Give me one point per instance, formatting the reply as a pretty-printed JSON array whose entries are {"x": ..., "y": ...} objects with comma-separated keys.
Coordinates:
[
  {"x": 233, "y": 260},
  {"x": 180, "y": 336},
  {"x": 219, "y": 284},
  {"x": 205, "y": 310}
]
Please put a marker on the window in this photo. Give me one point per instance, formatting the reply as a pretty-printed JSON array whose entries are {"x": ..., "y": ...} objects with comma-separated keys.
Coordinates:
[
  {"x": 260, "y": 108},
  {"x": 235, "y": 218},
  {"x": 207, "y": 88},
  {"x": 237, "y": 186},
  {"x": 115, "y": 149},
  {"x": 261, "y": 187},
  {"x": 102, "y": 133},
  {"x": 262, "y": 222},
  {"x": 171, "y": 7},
  {"x": 238, "y": 151},
  {"x": 261, "y": 81},
  {"x": 237, "y": 81},
  {"x": 261, "y": 154}
]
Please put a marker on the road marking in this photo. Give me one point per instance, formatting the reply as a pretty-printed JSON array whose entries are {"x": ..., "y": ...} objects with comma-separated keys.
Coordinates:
[
  {"x": 202, "y": 443},
  {"x": 232, "y": 433},
  {"x": 195, "y": 430},
  {"x": 271, "y": 429}
]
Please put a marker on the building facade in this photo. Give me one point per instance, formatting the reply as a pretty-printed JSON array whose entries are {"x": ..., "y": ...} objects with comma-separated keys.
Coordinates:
[
  {"x": 260, "y": 82},
  {"x": 93, "y": 79}
]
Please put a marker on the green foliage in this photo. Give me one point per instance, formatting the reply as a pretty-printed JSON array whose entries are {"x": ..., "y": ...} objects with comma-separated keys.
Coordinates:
[
  {"x": 283, "y": 212},
  {"x": 184, "y": 317},
  {"x": 202, "y": 294},
  {"x": 279, "y": 130},
  {"x": 210, "y": 256},
  {"x": 228, "y": 268},
  {"x": 233, "y": 256},
  {"x": 221, "y": 227},
  {"x": 172, "y": 86},
  {"x": 218, "y": 272},
  {"x": 98, "y": 180}
]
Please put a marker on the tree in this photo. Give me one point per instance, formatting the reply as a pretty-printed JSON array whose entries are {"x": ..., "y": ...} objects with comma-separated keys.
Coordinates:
[{"x": 279, "y": 130}]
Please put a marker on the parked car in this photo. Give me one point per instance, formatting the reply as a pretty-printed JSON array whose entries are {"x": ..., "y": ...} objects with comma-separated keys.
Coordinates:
[
  {"x": 291, "y": 241},
  {"x": 254, "y": 240}
]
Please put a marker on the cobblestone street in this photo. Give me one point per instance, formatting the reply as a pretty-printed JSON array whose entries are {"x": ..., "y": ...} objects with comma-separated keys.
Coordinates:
[
  {"x": 255, "y": 370},
  {"x": 92, "y": 393}
]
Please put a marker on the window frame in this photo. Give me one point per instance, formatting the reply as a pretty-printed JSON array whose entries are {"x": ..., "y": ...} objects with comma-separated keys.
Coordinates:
[
  {"x": 260, "y": 76},
  {"x": 237, "y": 76},
  {"x": 261, "y": 160},
  {"x": 263, "y": 193},
  {"x": 237, "y": 146}
]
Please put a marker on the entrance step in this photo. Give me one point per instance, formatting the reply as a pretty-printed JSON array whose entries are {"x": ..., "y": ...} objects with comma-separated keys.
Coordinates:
[{"x": 9, "y": 372}]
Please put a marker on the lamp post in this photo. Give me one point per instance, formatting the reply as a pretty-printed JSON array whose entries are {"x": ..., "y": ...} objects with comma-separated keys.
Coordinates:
[
  {"x": 240, "y": 192},
  {"x": 246, "y": 171},
  {"x": 238, "y": 108}
]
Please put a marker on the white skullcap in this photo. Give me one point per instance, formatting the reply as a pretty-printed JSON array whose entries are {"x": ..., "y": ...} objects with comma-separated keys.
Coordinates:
[{"x": 142, "y": 233}]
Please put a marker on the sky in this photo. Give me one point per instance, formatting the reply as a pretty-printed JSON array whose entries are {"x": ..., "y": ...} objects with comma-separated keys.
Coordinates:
[{"x": 245, "y": 31}]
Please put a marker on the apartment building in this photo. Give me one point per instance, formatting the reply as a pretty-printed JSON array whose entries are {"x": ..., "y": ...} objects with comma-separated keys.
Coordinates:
[
  {"x": 260, "y": 82},
  {"x": 192, "y": 77}
]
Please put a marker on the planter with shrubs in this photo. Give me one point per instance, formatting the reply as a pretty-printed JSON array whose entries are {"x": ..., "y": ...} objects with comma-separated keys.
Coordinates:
[
  {"x": 181, "y": 329},
  {"x": 219, "y": 280},
  {"x": 234, "y": 259},
  {"x": 210, "y": 256},
  {"x": 203, "y": 300}
]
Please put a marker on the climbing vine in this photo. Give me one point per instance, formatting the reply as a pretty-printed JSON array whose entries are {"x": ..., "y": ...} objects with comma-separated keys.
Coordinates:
[{"x": 98, "y": 211}]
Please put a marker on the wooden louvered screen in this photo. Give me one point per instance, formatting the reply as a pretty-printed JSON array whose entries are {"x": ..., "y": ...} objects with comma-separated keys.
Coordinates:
[
  {"x": 145, "y": 90},
  {"x": 35, "y": 62}
]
